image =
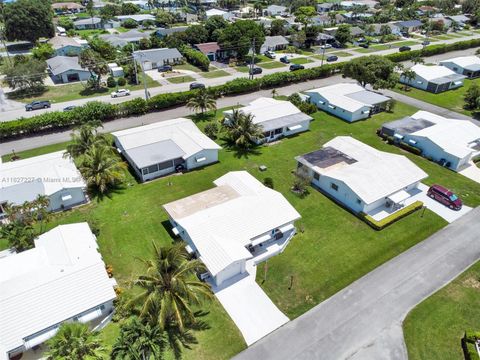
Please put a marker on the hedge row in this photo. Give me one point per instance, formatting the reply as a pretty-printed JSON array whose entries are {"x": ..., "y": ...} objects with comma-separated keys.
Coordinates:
[
  {"x": 95, "y": 110},
  {"x": 379, "y": 225},
  {"x": 468, "y": 345}
]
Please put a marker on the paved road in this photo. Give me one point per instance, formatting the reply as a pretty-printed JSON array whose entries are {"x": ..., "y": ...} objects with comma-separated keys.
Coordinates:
[{"x": 364, "y": 320}]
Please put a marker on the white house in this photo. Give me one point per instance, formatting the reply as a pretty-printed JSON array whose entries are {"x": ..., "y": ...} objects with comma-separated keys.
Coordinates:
[
  {"x": 433, "y": 78},
  {"x": 239, "y": 219},
  {"x": 274, "y": 43},
  {"x": 278, "y": 118},
  {"x": 274, "y": 10},
  {"x": 348, "y": 101},
  {"x": 217, "y": 12},
  {"x": 450, "y": 142},
  {"x": 464, "y": 65},
  {"x": 153, "y": 58},
  {"x": 361, "y": 177},
  {"x": 50, "y": 175},
  {"x": 66, "y": 46},
  {"x": 62, "y": 279},
  {"x": 88, "y": 23},
  {"x": 138, "y": 18},
  {"x": 164, "y": 147},
  {"x": 65, "y": 69}
]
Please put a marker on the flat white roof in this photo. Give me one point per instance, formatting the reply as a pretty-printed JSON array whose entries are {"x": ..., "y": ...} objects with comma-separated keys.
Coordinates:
[
  {"x": 180, "y": 137},
  {"x": 222, "y": 221},
  {"x": 463, "y": 61},
  {"x": 431, "y": 72},
  {"x": 454, "y": 136},
  {"x": 372, "y": 174},
  {"x": 24, "y": 180},
  {"x": 62, "y": 277}
]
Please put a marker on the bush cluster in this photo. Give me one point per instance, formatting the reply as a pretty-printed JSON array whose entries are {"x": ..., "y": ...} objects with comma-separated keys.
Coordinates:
[
  {"x": 379, "y": 225},
  {"x": 468, "y": 345},
  {"x": 195, "y": 58}
]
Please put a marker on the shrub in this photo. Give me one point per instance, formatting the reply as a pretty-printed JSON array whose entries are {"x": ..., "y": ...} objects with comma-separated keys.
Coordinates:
[
  {"x": 308, "y": 108},
  {"x": 379, "y": 225},
  {"x": 410, "y": 148},
  {"x": 121, "y": 81},
  {"x": 130, "y": 24},
  {"x": 468, "y": 345},
  {"x": 268, "y": 182},
  {"x": 111, "y": 82},
  {"x": 196, "y": 58},
  {"x": 211, "y": 130},
  {"x": 295, "y": 99},
  {"x": 136, "y": 106}
]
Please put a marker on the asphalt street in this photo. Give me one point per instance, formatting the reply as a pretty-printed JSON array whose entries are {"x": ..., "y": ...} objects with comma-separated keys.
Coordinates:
[{"x": 364, "y": 320}]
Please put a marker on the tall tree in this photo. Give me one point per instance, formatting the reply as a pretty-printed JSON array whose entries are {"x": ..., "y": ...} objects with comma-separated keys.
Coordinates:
[
  {"x": 472, "y": 97},
  {"x": 28, "y": 20},
  {"x": 241, "y": 130},
  {"x": 304, "y": 14},
  {"x": 84, "y": 138},
  {"x": 75, "y": 341},
  {"x": 343, "y": 34},
  {"x": 26, "y": 73},
  {"x": 408, "y": 75},
  {"x": 375, "y": 70},
  {"x": 278, "y": 27},
  {"x": 214, "y": 25},
  {"x": 202, "y": 101},
  {"x": 97, "y": 66},
  {"x": 240, "y": 36}
]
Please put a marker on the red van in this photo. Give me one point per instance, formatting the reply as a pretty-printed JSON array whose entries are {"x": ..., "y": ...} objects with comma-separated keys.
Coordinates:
[{"x": 445, "y": 196}]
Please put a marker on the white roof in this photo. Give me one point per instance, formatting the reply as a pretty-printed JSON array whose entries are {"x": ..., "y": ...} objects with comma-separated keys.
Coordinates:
[
  {"x": 182, "y": 132},
  {"x": 374, "y": 174},
  {"x": 212, "y": 12},
  {"x": 431, "y": 72},
  {"x": 463, "y": 61},
  {"x": 63, "y": 276},
  {"x": 136, "y": 17},
  {"x": 24, "y": 180},
  {"x": 222, "y": 221},
  {"x": 453, "y": 136}
]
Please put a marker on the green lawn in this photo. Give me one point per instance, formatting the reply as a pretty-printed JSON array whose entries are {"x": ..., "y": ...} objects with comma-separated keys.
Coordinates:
[
  {"x": 187, "y": 66},
  {"x": 300, "y": 60},
  {"x": 333, "y": 247},
  {"x": 434, "y": 328},
  {"x": 340, "y": 53},
  {"x": 373, "y": 48},
  {"x": 215, "y": 74},
  {"x": 404, "y": 43},
  {"x": 272, "y": 65},
  {"x": 242, "y": 68},
  {"x": 180, "y": 79}
]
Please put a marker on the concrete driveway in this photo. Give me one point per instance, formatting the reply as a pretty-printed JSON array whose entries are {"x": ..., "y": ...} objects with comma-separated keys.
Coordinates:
[
  {"x": 472, "y": 172},
  {"x": 364, "y": 320},
  {"x": 249, "y": 307}
]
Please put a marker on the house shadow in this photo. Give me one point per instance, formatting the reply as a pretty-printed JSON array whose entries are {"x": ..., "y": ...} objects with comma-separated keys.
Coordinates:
[{"x": 168, "y": 228}]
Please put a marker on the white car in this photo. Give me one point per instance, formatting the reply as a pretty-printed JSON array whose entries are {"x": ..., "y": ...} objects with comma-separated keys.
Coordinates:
[
  {"x": 326, "y": 46},
  {"x": 120, "y": 92},
  {"x": 269, "y": 54}
]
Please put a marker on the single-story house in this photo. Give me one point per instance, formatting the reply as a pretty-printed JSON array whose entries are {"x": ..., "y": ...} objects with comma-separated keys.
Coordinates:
[
  {"x": 348, "y": 101},
  {"x": 164, "y": 147},
  {"x": 433, "y": 78},
  {"x": 351, "y": 17},
  {"x": 409, "y": 26},
  {"x": 62, "y": 279},
  {"x": 468, "y": 66},
  {"x": 153, "y": 58},
  {"x": 426, "y": 10},
  {"x": 67, "y": 7},
  {"x": 138, "y": 18},
  {"x": 217, "y": 12},
  {"x": 238, "y": 220},
  {"x": 273, "y": 43},
  {"x": 395, "y": 30},
  {"x": 274, "y": 10},
  {"x": 360, "y": 177},
  {"x": 352, "y": 3},
  {"x": 162, "y": 32},
  {"x": 142, "y": 4},
  {"x": 129, "y": 37},
  {"x": 65, "y": 69},
  {"x": 278, "y": 118},
  {"x": 115, "y": 70},
  {"x": 449, "y": 142},
  {"x": 324, "y": 39},
  {"x": 65, "y": 46},
  {"x": 326, "y": 7},
  {"x": 88, "y": 23},
  {"x": 321, "y": 20},
  {"x": 51, "y": 175},
  {"x": 210, "y": 49},
  {"x": 461, "y": 19}
]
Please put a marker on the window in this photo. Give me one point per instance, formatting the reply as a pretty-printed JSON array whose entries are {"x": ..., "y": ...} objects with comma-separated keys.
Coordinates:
[
  {"x": 278, "y": 131},
  {"x": 316, "y": 176},
  {"x": 165, "y": 165},
  {"x": 359, "y": 201},
  {"x": 334, "y": 186},
  {"x": 152, "y": 168}
]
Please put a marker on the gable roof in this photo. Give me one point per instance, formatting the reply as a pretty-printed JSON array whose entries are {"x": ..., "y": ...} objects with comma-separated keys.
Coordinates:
[
  {"x": 206, "y": 48},
  {"x": 471, "y": 62},
  {"x": 136, "y": 17},
  {"x": 435, "y": 73},
  {"x": 275, "y": 41},
  {"x": 59, "y": 42},
  {"x": 87, "y": 21},
  {"x": 67, "y": 5},
  {"x": 60, "y": 64},
  {"x": 157, "y": 55},
  {"x": 125, "y": 38},
  {"x": 370, "y": 173}
]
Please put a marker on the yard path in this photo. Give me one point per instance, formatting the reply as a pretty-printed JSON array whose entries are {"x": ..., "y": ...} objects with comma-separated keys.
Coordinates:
[{"x": 364, "y": 320}]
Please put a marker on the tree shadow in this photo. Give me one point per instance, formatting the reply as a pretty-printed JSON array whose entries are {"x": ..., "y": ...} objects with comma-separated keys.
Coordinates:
[
  {"x": 26, "y": 93},
  {"x": 239, "y": 152},
  {"x": 98, "y": 196},
  {"x": 90, "y": 91},
  {"x": 205, "y": 117}
]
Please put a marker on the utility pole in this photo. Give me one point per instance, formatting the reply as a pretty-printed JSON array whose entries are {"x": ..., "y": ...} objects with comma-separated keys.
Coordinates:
[
  {"x": 323, "y": 51},
  {"x": 144, "y": 77},
  {"x": 134, "y": 64},
  {"x": 252, "y": 61}
]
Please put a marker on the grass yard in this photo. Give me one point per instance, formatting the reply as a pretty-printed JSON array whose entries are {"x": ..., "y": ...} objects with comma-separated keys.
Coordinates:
[
  {"x": 300, "y": 61},
  {"x": 215, "y": 74},
  {"x": 242, "y": 68},
  {"x": 272, "y": 65},
  {"x": 373, "y": 48},
  {"x": 434, "y": 328},
  {"x": 187, "y": 66},
  {"x": 404, "y": 43},
  {"x": 333, "y": 247},
  {"x": 339, "y": 54},
  {"x": 180, "y": 79}
]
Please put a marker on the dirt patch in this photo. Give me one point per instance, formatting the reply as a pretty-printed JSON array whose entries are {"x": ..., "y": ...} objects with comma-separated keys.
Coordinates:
[{"x": 472, "y": 282}]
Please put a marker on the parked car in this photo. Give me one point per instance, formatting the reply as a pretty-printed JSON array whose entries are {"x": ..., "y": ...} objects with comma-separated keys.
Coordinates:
[
  {"x": 337, "y": 45},
  {"x": 375, "y": 41},
  {"x": 444, "y": 196},
  {"x": 361, "y": 40},
  {"x": 269, "y": 54},
  {"x": 326, "y": 46},
  {"x": 35, "y": 105},
  {"x": 165, "y": 68},
  {"x": 255, "y": 71},
  {"x": 284, "y": 59},
  {"x": 69, "y": 108},
  {"x": 332, "y": 58},
  {"x": 364, "y": 45},
  {"x": 196, "y": 85},
  {"x": 404, "y": 48},
  {"x": 295, "y": 67},
  {"x": 425, "y": 43},
  {"x": 120, "y": 92}
]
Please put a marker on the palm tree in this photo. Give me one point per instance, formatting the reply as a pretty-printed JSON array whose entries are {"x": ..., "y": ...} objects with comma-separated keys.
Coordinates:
[
  {"x": 241, "y": 129},
  {"x": 101, "y": 169},
  {"x": 138, "y": 340},
  {"x": 170, "y": 288},
  {"x": 75, "y": 341},
  {"x": 84, "y": 138},
  {"x": 274, "y": 92},
  {"x": 408, "y": 75},
  {"x": 40, "y": 210},
  {"x": 202, "y": 101}
]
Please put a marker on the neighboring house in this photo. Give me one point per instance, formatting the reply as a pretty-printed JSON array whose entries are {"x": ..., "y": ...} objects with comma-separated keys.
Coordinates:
[
  {"x": 65, "y": 69},
  {"x": 355, "y": 31},
  {"x": 238, "y": 220},
  {"x": 409, "y": 26},
  {"x": 433, "y": 78},
  {"x": 164, "y": 147},
  {"x": 273, "y": 43},
  {"x": 153, "y": 58},
  {"x": 326, "y": 7},
  {"x": 129, "y": 37},
  {"x": 65, "y": 46},
  {"x": 353, "y": 18},
  {"x": 324, "y": 39},
  {"x": 461, "y": 20},
  {"x": 142, "y": 4},
  {"x": 278, "y": 118},
  {"x": 217, "y": 12},
  {"x": 88, "y": 24},
  {"x": 115, "y": 70},
  {"x": 350, "y": 4},
  {"x": 426, "y": 10},
  {"x": 348, "y": 101},
  {"x": 210, "y": 49},
  {"x": 464, "y": 65},
  {"x": 274, "y": 10},
  {"x": 50, "y": 175},
  {"x": 62, "y": 279},
  {"x": 321, "y": 20},
  {"x": 450, "y": 142},
  {"x": 138, "y": 18},
  {"x": 377, "y": 29},
  {"x": 67, "y": 8},
  {"x": 162, "y": 32},
  {"x": 360, "y": 177}
]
